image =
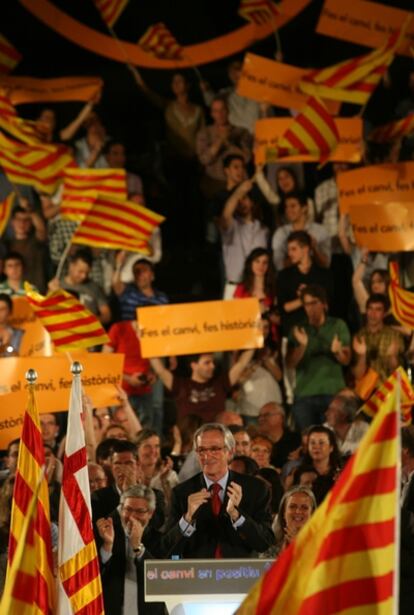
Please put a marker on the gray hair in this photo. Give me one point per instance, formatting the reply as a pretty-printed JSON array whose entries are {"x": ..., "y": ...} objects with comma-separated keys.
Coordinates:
[
  {"x": 139, "y": 491},
  {"x": 229, "y": 441},
  {"x": 275, "y": 406},
  {"x": 280, "y": 522}
]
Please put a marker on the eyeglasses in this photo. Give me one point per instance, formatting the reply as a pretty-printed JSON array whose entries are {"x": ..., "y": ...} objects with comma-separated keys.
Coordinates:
[
  {"x": 136, "y": 511},
  {"x": 214, "y": 450}
]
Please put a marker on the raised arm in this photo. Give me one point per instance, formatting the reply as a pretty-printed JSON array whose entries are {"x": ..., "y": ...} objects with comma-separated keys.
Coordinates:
[
  {"x": 230, "y": 206},
  {"x": 162, "y": 372},
  {"x": 360, "y": 292},
  {"x": 236, "y": 371}
]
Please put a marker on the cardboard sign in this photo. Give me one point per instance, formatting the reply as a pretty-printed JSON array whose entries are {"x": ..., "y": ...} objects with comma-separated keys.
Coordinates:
[
  {"x": 101, "y": 372},
  {"x": 365, "y": 23},
  {"x": 349, "y": 149},
  {"x": 208, "y": 326},
  {"x": 275, "y": 83},
  {"x": 378, "y": 184},
  {"x": 388, "y": 227}
]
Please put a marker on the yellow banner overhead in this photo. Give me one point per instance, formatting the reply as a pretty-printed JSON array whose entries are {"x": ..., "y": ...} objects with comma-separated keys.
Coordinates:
[{"x": 208, "y": 326}]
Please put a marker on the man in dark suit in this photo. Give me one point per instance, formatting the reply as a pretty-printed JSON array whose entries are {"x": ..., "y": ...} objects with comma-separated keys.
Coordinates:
[
  {"x": 123, "y": 542},
  {"x": 124, "y": 466},
  {"x": 407, "y": 522},
  {"x": 218, "y": 513}
]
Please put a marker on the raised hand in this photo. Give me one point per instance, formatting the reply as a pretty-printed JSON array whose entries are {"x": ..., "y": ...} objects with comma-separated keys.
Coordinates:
[
  {"x": 359, "y": 345},
  {"x": 106, "y": 532},
  {"x": 336, "y": 345},
  {"x": 234, "y": 493},
  {"x": 300, "y": 336},
  {"x": 195, "y": 500}
]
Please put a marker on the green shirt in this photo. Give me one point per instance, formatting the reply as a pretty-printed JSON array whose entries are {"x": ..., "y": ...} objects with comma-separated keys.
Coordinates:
[{"x": 319, "y": 372}]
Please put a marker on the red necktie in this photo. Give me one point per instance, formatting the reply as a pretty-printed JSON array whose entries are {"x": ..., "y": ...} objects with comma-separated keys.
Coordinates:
[{"x": 216, "y": 506}]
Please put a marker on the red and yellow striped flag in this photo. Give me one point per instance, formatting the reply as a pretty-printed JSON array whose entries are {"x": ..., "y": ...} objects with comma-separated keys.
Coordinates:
[
  {"x": 313, "y": 131},
  {"x": 5, "y": 211},
  {"x": 33, "y": 590},
  {"x": 402, "y": 301},
  {"x": 353, "y": 80},
  {"x": 115, "y": 224},
  {"x": 9, "y": 56},
  {"x": 393, "y": 130},
  {"x": 80, "y": 588},
  {"x": 110, "y": 10},
  {"x": 343, "y": 560},
  {"x": 159, "y": 42},
  {"x": 24, "y": 130},
  {"x": 68, "y": 322},
  {"x": 258, "y": 12},
  {"x": 34, "y": 165},
  {"x": 373, "y": 404},
  {"x": 81, "y": 187}
]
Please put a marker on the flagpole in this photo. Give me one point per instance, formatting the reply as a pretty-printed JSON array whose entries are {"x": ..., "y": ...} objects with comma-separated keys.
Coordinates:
[
  {"x": 396, "y": 583},
  {"x": 63, "y": 258}
]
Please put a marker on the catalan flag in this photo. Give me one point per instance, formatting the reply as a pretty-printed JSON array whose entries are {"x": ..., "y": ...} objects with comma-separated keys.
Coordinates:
[
  {"x": 80, "y": 589},
  {"x": 343, "y": 560},
  {"x": 81, "y": 187},
  {"x": 373, "y": 404},
  {"x": 402, "y": 301},
  {"x": 23, "y": 557},
  {"x": 9, "y": 56},
  {"x": 115, "y": 224},
  {"x": 34, "y": 165},
  {"x": 258, "y": 12},
  {"x": 68, "y": 322},
  {"x": 159, "y": 42},
  {"x": 24, "y": 130},
  {"x": 33, "y": 590},
  {"x": 353, "y": 80},
  {"x": 313, "y": 131},
  {"x": 5, "y": 211},
  {"x": 393, "y": 130},
  {"x": 110, "y": 10}
]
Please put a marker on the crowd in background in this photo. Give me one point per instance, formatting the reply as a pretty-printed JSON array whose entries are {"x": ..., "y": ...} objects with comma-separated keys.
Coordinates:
[{"x": 273, "y": 232}]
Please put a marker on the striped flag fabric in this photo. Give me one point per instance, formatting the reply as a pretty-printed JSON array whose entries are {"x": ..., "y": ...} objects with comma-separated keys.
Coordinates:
[
  {"x": 81, "y": 188},
  {"x": 343, "y": 560},
  {"x": 402, "y": 301},
  {"x": 68, "y": 322},
  {"x": 117, "y": 225},
  {"x": 110, "y": 10},
  {"x": 24, "y": 130},
  {"x": 313, "y": 131},
  {"x": 9, "y": 56},
  {"x": 23, "y": 558},
  {"x": 393, "y": 130},
  {"x": 34, "y": 165},
  {"x": 80, "y": 588},
  {"x": 373, "y": 404},
  {"x": 258, "y": 12},
  {"x": 159, "y": 42},
  {"x": 5, "y": 211},
  {"x": 353, "y": 80},
  {"x": 33, "y": 590}
]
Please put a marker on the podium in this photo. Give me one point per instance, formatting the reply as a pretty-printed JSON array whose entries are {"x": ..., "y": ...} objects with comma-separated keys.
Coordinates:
[{"x": 195, "y": 586}]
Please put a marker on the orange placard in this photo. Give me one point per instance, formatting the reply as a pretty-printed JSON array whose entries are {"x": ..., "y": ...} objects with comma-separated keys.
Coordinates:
[
  {"x": 275, "y": 83},
  {"x": 36, "y": 340},
  {"x": 101, "y": 372},
  {"x": 365, "y": 23},
  {"x": 349, "y": 149},
  {"x": 387, "y": 227},
  {"x": 193, "y": 55},
  {"x": 30, "y": 89},
  {"x": 208, "y": 326},
  {"x": 376, "y": 184}
]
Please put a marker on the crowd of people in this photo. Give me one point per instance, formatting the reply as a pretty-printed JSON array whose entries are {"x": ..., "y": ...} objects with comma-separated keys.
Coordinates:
[{"x": 215, "y": 455}]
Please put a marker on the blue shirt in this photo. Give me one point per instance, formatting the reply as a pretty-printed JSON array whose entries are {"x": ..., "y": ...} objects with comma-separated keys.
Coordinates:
[{"x": 132, "y": 298}]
